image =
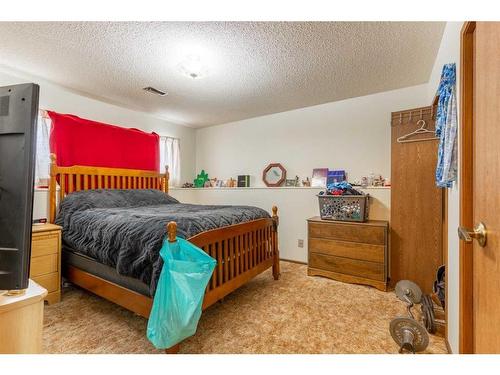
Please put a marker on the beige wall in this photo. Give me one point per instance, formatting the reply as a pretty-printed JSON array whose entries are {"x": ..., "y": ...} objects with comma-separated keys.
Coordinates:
[
  {"x": 449, "y": 52},
  {"x": 352, "y": 134}
]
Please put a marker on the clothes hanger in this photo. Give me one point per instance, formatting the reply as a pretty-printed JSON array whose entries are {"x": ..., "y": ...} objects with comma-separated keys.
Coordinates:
[{"x": 421, "y": 130}]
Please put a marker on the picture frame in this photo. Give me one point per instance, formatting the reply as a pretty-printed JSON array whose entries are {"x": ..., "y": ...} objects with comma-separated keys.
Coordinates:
[{"x": 274, "y": 175}]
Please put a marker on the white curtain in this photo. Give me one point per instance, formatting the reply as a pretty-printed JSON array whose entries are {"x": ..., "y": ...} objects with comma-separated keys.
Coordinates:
[
  {"x": 42, "y": 160},
  {"x": 170, "y": 154}
]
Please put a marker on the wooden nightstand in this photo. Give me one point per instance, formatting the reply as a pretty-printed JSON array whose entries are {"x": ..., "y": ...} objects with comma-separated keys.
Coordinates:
[
  {"x": 45, "y": 266},
  {"x": 351, "y": 252}
]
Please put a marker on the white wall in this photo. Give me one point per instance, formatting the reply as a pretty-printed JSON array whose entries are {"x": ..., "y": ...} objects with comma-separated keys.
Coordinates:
[
  {"x": 62, "y": 100},
  {"x": 352, "y": 134},
  {"x": 295, "y": 205},
  {"x": 449, "y": 52}
]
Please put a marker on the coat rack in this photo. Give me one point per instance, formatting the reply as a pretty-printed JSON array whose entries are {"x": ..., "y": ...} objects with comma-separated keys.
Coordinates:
[{"x": 421, "y": 130}]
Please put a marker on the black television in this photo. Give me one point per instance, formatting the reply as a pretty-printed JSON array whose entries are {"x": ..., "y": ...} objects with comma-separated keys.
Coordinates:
[{"x": 18, "y": 117}]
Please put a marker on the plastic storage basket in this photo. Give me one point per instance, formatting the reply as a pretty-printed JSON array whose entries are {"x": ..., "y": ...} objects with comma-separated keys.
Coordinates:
[{"x": 344, "y": 207}]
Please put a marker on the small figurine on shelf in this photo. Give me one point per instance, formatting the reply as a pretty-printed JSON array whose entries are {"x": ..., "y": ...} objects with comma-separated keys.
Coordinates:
[
  {"x": 306, "y": 182},
  {"x": 364, "y": 182},
  {"x": 213, "y": 182},
  {"x": 188, "y": 185},
  {"x": 231, "y": 183},
  {"x": 378, "y": 181},
  {"x": 292, "y": 182},
  {"x": 201, "y": 179}
]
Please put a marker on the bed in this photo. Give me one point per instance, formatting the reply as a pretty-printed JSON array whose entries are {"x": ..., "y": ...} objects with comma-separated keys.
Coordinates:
[{"x": 244, "y": 245}]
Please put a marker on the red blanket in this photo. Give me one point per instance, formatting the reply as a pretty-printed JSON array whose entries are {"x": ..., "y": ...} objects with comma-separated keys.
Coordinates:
[{"x": 77, "y": 141}]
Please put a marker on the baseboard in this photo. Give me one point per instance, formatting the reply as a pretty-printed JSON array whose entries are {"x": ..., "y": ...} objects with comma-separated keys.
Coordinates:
[
  {"x": 293, "y": 261},
  {"x": 448, "y": 347}
]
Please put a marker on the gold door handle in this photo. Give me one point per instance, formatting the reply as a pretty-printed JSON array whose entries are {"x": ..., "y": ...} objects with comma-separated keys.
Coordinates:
[{"x": 479, "y": 233}]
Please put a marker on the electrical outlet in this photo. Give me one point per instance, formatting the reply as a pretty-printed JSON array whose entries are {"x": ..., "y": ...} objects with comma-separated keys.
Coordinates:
[{"x": 300, "y": 243}]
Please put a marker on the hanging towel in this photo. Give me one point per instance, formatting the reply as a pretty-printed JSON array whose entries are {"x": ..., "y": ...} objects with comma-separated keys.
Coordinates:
[{"x": 446, "y": 128}]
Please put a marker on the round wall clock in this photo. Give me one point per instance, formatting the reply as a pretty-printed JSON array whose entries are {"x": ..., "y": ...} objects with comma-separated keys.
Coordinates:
[{"x": 274, "y": 175}]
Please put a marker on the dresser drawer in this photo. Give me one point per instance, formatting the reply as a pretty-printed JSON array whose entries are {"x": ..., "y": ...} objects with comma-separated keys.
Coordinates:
[
  {"x": 44, "y": 244},
  {"x": 369, "y": 234},
  {"x": 353, "y": 250},
  {"x": 361, "y": 268},
  {"x": 49, "y": 281},
  {"x": 43, "y": 264}
]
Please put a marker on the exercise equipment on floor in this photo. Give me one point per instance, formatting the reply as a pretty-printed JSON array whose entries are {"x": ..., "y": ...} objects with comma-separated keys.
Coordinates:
[{"x": 408, "y": 333}]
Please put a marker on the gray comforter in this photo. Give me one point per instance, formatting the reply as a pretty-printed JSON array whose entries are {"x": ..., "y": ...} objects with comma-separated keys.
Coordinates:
[{"x": 124, "y": 229}]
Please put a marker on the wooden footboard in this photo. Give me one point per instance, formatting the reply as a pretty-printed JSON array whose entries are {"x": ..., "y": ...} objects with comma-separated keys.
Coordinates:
[{"x": 242, "y": 252}]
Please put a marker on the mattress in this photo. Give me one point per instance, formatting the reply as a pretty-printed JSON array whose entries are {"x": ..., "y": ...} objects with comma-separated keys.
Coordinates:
[{"x": 71, "y": 257}]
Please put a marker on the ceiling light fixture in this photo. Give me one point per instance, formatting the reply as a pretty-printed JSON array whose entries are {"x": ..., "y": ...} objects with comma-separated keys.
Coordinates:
[
  {"x": 154, "y": 91},
  {"x": 193, "y": 67}
]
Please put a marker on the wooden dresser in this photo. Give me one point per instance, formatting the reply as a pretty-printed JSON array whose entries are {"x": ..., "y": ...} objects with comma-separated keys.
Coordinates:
[
  {"x": 45, "y": 266},
  {"x": 349, "y": 251}
]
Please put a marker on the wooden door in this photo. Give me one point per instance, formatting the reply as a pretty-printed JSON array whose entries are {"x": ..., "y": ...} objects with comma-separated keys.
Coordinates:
[
  {"x": 484, "y": 335},
  {"x": 416, "y": 202}
]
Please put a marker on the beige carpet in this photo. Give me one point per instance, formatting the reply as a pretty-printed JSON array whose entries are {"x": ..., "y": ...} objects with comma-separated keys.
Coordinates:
[{"x": 297, "y": 314}]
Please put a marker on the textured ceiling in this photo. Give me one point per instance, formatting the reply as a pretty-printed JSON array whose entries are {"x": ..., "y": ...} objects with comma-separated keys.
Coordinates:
[{"x": 252, "y": 68}]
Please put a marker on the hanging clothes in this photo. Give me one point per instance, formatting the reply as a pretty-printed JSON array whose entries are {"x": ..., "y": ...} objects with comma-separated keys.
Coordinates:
[{"x": 446, "y": 128}]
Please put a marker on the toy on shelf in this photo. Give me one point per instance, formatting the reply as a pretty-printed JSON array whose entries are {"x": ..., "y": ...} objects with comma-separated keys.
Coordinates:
[
  {"x": 213, "y": 182},
  {"x": 231, "y": 183},
  {"x": 201, "y": 179}
]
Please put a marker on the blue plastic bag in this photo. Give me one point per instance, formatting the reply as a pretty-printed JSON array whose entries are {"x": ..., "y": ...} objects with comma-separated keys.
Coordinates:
[{"x": 179, "y": 294}]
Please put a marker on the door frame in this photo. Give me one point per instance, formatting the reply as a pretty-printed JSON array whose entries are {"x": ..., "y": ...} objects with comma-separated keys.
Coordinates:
[{"x": 466, "y": 323}]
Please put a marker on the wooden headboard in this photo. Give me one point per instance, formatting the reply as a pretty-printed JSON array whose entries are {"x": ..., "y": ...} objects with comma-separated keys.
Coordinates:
[{"x": 79, "y": 177}]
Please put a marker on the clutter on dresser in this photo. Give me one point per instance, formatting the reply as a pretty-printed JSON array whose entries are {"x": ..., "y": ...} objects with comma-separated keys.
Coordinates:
[
  {"x": 274, "y": 175},
  {"x": 340, "y": 201}
]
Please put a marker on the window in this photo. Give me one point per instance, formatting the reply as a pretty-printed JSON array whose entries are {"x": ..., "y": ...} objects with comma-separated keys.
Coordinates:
[
  {"x": 170, "y": 155},
  {"x": 42, "y": 160}
]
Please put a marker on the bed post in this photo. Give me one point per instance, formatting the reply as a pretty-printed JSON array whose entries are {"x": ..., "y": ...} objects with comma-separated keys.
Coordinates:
[
  {"x": 165, "y": 180},
  {"x": 172, "y": 237},
  {"x": 172, "y": 231},
  {"x": 276, "y": 253},
  {"x": 52, "y": 189}
]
